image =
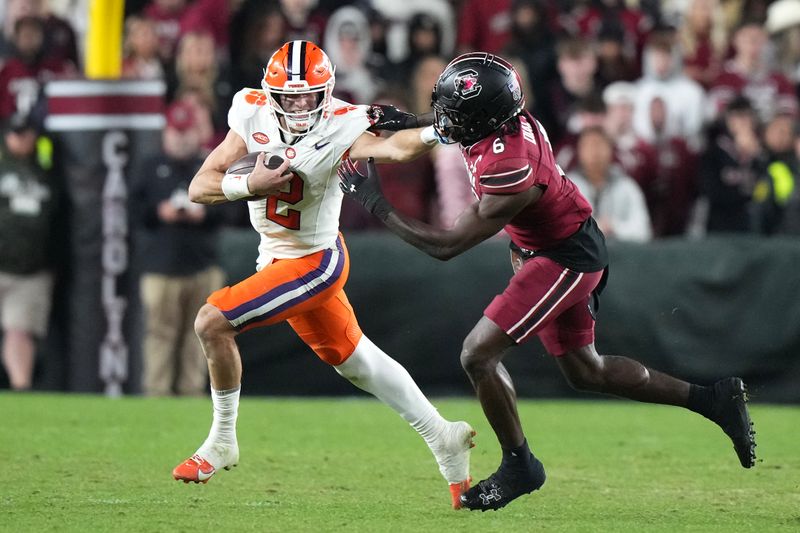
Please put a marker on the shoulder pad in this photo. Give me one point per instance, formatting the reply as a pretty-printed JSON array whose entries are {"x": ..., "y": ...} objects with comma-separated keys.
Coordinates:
[{"x": 247, "y": 101}]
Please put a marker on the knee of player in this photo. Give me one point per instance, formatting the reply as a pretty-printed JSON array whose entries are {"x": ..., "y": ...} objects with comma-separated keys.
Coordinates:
[
  {"x": 476, "y": 361},
  {"x": 211, "y": 323}
]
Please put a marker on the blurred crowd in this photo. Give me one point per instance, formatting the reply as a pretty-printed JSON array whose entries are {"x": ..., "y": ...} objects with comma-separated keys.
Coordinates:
[{"x": 674, "y": 117}]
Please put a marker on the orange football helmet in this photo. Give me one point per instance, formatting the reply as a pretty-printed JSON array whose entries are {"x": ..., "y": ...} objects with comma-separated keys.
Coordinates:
[{"x": 299, "y": 68}]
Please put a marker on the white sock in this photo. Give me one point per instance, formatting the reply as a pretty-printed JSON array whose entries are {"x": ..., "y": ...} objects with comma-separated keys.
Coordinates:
[
  {"x": 221, "y": 441},
  {"x": 371, "y": 370}
]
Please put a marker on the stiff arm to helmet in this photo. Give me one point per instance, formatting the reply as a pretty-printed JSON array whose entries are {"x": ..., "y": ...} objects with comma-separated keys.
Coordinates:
[{"x": 475, "y": 95}]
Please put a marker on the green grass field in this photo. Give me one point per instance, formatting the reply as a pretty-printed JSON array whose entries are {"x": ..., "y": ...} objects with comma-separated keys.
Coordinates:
[{"x": 81, "y": 463}]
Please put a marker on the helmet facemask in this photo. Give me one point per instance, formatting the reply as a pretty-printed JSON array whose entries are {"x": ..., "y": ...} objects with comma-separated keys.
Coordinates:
[
  {"x": 448, "y": 124},
  {"x": 299, "y": 123}
]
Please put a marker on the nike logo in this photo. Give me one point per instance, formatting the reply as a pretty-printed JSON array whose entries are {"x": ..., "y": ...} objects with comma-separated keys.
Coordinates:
[
  {"x": 202, "y": 476},
  {"x": 319, "y": 144}
]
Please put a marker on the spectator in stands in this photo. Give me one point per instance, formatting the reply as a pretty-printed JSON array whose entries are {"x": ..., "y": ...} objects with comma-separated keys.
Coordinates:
[
  {"x": 617, "y": 202},
  {"x": 703, "y": 41},
  {"x": 25, "y": 72},
  {"x": 615, "y": 60},
  {"x": 263, "y": 32},
  {"x": 424, "y": 39},
  {"x": 587, "y": 17},
  {"x": 212, "y": 17},
  {"x": 347, "y": 41},
  {"x": 577, "y": 70},
  {"x": 589, "y": 112},
  {"x": 748, "y": 74},
  {"x": 634, "y": 155},
  {"x": 663, "y": 76},
  {"x": 204, "y": 117},
  {"x": 196, "y": 70},
  {"x": 167, "y": 15},
  {"x": 484, "y": 25},
  {"x": 670, "y": 185},
  {"x": 776, "y": 197},
  {"x": 59, "y": 36},
  {"x": 783, "y": 25},
  {"x": 304, "y": 22},
  {"x": 141, "y": 60},
  {"x": 730, "y": 167},
  {"x": 533, "y": 42},
  {"x": 398, "y": 15},
  {"x": 178, "y": 243},
  {"x": 379, "y": 36},
  {"x": 28, "y": 203}
]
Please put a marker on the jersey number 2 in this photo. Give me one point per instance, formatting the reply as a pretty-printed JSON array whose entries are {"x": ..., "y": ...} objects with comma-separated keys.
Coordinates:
[{"x": 291, "y": 219}]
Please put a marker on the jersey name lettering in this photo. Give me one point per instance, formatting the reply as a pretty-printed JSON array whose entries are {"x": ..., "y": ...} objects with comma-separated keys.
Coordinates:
[{"x": 527, "y": 132}]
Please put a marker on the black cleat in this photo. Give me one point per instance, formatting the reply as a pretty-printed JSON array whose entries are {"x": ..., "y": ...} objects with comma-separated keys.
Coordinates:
[
  {"x": 729, "y": 411},
  {"x": 504, "y": 486}
]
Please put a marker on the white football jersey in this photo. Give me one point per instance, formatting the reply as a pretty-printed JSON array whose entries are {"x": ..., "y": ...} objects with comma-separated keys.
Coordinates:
[{"x": 304, "y": 217}]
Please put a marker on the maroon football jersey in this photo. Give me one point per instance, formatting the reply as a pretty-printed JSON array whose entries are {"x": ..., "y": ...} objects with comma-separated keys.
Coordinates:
[{"x": 514, "y": 162}]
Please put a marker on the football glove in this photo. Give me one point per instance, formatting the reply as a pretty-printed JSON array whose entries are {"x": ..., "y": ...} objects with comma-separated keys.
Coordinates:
[
  {"x": 389, "y": 118},
  {"x": 365, "y": 190}
]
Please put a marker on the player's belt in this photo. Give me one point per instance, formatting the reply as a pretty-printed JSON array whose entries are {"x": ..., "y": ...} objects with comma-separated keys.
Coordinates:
[{"x": 525, "y": 253}]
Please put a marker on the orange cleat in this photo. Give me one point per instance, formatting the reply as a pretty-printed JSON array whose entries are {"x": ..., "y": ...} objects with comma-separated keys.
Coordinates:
[
  {"x": 457, "y": 489},
  {"x": 195, "y": 469}
]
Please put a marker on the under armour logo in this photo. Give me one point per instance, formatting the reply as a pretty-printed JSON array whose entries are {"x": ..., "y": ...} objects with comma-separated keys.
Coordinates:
[{"x": 486, "y": 498}]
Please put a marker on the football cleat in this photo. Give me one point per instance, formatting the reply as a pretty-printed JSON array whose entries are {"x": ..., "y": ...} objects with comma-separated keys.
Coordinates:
[
  {"x": 729, "y": 411},
  {"x": 452, "y": 450},
  {"x": 504, "y": 486},
  {"x": 195, "y": 469},
  {"x": 456, "y": 490},
  {"x": 198, "y": 470}
]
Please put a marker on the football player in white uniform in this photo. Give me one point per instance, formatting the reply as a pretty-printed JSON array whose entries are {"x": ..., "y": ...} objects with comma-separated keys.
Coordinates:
[{"x": 303, "y": 262}]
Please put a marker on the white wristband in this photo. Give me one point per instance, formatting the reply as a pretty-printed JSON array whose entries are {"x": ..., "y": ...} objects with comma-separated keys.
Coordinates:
[
  {"x": 429, "y": 136},
  {"x": 234, "y": 186}
]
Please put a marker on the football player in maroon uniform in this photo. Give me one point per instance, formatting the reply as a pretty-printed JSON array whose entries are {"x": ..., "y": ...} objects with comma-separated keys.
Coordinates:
[{"x": 560, "y": 266}]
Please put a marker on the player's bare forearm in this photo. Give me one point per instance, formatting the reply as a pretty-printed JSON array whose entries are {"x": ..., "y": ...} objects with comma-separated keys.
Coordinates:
[
  {"x": 444, "y": 244},
  {"x": 475, "y": 224},
  {"x": 401, "y": 146},
  {"x": 206, "y": 186}
]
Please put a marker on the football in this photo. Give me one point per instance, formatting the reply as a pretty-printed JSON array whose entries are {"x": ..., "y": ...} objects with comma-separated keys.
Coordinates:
[{"x": 245, "y": 164}]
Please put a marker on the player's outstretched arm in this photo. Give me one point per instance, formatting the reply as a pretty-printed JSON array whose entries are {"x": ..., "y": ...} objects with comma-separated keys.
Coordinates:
[
  {"x": 206, "y": 186},
  {"x": 389, "y": 118},
  {"x": 402, "y": 146},
  {"x": 475, "y": 224}
]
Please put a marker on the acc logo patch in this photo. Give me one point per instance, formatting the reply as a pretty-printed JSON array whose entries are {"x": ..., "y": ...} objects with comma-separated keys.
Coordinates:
[
  {"x": 260, "y": 138},
  {"x": 290, "y": 153},
  {"x": 466, "y": 84}
]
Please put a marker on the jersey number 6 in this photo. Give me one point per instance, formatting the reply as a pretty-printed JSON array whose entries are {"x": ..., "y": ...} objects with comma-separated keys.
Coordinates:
[{"x": 291, "y": 219}]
